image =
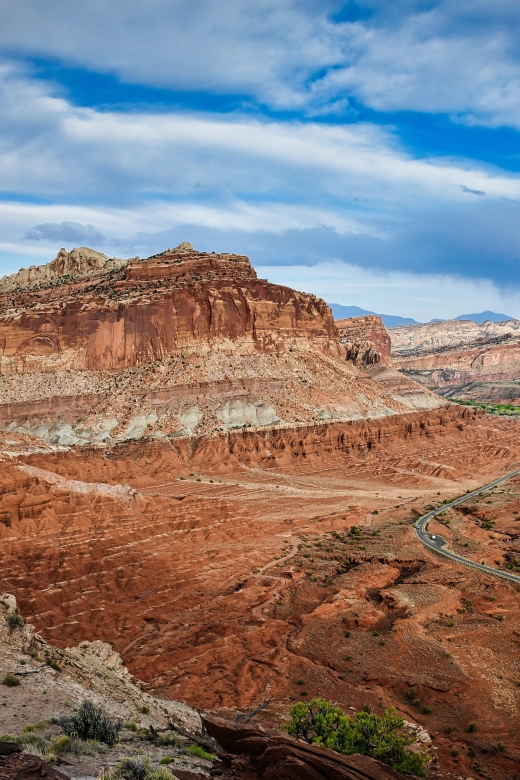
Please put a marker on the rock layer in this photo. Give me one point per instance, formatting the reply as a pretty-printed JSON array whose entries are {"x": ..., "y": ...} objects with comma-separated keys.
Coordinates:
[
  {"x": 366, "y": 340},
  {"x": 182, "y": 342},
  {"x": 453, "y": 354},
  {"x": 80, "y": 262},
  {"x": 266, "y": 754},
  {"x": 236, "y": 569}
]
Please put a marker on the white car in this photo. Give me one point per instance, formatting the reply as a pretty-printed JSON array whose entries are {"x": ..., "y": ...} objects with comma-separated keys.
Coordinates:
[{"x": 433, "y": 537}]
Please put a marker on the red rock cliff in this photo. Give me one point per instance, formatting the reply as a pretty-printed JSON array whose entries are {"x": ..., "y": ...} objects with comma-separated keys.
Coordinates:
[
  {"x": 180, "y": 299},
  {"x": 366, "y": 340}
]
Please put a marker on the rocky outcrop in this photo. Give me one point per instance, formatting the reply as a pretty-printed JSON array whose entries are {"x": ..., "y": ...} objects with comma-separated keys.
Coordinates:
[
  {"x": 180, "y": 300},
  {"x": 255, "y": 752},
  {"x": 15, "y": 765},
  {"x": 366, "y": 340},
  {"x": 368, "y": 347},
  {"x": 90, "y": 670},
  {"x": 452, "y": 354},
  {"x": 182, "y": 343},
  {"x": 78, "y": 263}
]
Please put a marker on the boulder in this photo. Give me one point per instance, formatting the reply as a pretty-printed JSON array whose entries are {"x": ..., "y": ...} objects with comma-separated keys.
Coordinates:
[{"x": 259, "y": 753}]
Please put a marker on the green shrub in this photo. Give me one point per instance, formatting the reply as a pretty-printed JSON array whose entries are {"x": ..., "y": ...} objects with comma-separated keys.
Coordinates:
[
  {"x": 381, "y": 737},
  {"x": 14, "y": 620},
  {"x": 165, "y": 760},
  {"x": 426, "y": 710},
  {"x": 11, "y": 681},
  {"x": 53, "y": 664},
  {"x": 412, "y": 697},
  {"x": 91, "y": 722},
  {"x": 196, "y": 750},
  {"x": 471, "y": 728}
]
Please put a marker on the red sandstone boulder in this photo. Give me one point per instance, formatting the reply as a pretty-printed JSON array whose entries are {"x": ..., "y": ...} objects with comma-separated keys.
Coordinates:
[
  {"x": 255, "y": 752},
  {"x": 15, "y": 765}
]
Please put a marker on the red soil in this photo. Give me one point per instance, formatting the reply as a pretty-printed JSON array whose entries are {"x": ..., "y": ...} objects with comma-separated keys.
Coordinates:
[{"x": 198, "y": 580}]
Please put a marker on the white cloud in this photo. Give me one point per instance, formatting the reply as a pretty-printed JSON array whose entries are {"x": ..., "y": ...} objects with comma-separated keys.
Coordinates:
[
  {"x": 450, "y": 56},
  {"x": 133, "y": 177},
  {"x": 49, "y": 147},
  {"x": 421, "y": 296}
]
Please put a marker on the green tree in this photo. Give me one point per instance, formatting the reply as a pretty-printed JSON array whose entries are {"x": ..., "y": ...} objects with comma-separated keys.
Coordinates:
[{"x": 380, "y": 736}]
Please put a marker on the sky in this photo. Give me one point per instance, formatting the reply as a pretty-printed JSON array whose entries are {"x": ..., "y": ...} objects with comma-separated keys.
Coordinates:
[{"x": 367, "y": 151}]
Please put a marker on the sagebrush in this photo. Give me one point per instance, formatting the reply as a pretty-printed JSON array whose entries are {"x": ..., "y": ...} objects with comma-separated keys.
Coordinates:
[{"x": 91, "y": 722}]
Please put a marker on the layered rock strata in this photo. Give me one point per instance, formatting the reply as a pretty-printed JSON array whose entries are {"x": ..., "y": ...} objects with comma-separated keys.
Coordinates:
[
  {"x": 242, "y": 560},
  {"x": 254, "y": 752},
  {"x": 368, "y": 347},
  {"x": 452, "y": 355},
  {"x": 182, "y": 343},
  {"x": 366, "y": 340}
]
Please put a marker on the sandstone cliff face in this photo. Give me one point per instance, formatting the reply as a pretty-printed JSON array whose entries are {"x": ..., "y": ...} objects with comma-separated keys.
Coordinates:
[
  {"x": 452, "y": 354},
  {"x": 181, "y": 342},
  {"x": 366, "y": 340},
  {"x": 177, "y": 300}
]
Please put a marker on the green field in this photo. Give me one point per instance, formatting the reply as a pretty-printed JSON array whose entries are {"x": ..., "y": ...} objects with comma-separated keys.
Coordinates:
[{"x": 504, "y": 410}]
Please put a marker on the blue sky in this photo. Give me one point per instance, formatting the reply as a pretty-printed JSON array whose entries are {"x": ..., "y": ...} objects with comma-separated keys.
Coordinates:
[{"x": 365, "y": 151}]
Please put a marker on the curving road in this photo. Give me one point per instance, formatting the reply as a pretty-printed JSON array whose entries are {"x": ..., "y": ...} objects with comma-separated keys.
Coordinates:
[{"x": 437, "y": 543}]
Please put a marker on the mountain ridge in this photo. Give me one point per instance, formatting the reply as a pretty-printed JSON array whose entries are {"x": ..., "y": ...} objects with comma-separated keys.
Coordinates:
[{"x": 395, "y": 321}]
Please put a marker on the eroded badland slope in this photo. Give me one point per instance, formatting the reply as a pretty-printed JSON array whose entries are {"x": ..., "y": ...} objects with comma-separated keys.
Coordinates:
[
  {"x": 462, "y": 358},
  {"x": 276, "y": 560}
]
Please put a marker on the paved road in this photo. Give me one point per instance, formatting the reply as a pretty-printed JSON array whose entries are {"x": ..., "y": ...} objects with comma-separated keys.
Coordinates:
[{"x": 437, "y": 543}]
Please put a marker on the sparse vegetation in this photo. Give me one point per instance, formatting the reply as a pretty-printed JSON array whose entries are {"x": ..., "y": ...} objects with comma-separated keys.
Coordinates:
[
  {"x": 48, "y": 749},
  {"x": 91, "y": 722},
  {"x": 136, "y": 769},
  {"x": 196, "y": 750},
  {"x": 380, "y": 736},
  {"x": 14, "y": 620},
  {"x": 412, "y": 697},
  {"x": 52, "y": 663},
  {"x": 11, "y": 681}
]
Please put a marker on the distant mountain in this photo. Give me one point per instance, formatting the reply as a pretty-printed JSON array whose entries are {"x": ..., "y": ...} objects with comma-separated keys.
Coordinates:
[
  {"x": 485, "y": 315},
  {"x": 389, "y": 320},
  {"x": 393, "y": 321}
]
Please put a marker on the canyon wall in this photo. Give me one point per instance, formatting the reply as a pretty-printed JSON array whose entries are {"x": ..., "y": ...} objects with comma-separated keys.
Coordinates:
[
  {"x": 95, "y": 349},
  {"x": 461, "y": 358},
  {"x": 153, "y": 308}
]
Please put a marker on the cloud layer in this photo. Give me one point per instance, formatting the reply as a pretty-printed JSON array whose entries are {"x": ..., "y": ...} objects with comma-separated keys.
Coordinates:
[
  {"x": 452, "y": 56},
  {"x": 305, "y": 170}
]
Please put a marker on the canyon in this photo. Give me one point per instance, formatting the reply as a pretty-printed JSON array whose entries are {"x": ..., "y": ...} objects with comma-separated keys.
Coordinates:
[
  {"x": 462, "y": 359},
  {"x": 205, "y": 471}
]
